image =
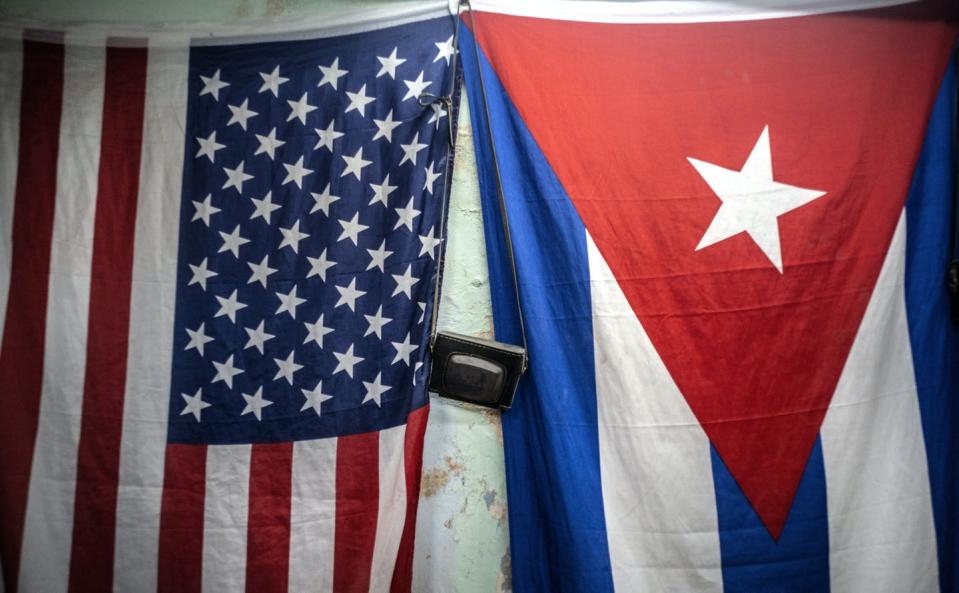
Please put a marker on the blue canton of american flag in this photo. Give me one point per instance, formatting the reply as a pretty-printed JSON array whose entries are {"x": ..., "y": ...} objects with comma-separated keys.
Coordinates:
[{"x": 309, "y": 233}]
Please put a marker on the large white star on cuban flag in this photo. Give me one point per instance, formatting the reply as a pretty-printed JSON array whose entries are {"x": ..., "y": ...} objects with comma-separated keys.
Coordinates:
[{"x": 752, "y": 200}]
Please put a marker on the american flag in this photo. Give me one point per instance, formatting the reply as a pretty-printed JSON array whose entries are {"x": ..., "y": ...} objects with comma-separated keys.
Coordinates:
[{"x": 217, "y": 266}]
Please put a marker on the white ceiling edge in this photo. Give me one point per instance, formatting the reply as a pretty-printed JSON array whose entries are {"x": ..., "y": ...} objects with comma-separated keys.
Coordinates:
[{"x": 365, "y": 17}]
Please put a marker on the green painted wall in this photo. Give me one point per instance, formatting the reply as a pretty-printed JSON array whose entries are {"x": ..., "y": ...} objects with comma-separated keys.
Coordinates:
[
  {"x": 464, "y": 544},
  {"x": 462, "y": 541}
]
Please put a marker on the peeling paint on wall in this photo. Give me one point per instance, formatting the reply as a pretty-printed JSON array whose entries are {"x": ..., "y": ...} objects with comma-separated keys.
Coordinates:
[
  {"x": 496, "y": 507},
  {"x": 434, "y": 479},
  {"x": 464, "y": 485},
  {"x": 504, "y": 582}
]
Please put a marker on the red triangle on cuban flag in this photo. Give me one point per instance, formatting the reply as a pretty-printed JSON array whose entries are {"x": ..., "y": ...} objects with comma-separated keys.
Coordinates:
[{"x": 743, "y": 181}]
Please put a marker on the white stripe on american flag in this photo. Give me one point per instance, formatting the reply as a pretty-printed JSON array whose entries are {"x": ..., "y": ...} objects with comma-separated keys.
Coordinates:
[
  {"x": 48, "y": 530},
  {"x": 651, "y": 441},
  {"x": 11, "y": 66},
  {"x": 391, "y": 513},
  {"x": 881, "y": 533},
  {"x": 313, "y": 516},
  {"x": 225, "y": 509},
  {"x": 147, "y": 396}
]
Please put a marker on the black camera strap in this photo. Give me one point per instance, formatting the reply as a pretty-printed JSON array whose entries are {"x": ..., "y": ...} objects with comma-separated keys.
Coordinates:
[
  {"x": 446, "y": 100},
  {"x": 500, "y": 194}
]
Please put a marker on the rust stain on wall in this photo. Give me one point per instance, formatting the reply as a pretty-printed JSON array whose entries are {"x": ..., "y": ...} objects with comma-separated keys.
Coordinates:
[
  {"x": 496, "y": 507},
  {"x": 504, "y": 580},
  {"x": 492, "y": 417},
  {"x": 276, "y": 7},
  {"x": 243, "y": 9},
  {"x": 434, "y": 479}
]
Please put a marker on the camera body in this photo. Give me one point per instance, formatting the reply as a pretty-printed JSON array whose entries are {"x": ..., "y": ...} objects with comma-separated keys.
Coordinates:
[{"x": 476, "y": 371}]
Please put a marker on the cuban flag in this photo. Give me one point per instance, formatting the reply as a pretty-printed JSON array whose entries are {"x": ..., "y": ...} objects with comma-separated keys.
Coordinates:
[
  {"x": 731, "y": 227},
  {"x": 217, "y": 268}
]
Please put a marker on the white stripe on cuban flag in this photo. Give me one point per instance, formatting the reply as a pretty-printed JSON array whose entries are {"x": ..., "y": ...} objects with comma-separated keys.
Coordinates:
[
  {"x": 654, "y": 456},
  {"x": 881, "y": 534},
  {"x": 146, "y": 407},
  {"x": 45, "y": 556}
]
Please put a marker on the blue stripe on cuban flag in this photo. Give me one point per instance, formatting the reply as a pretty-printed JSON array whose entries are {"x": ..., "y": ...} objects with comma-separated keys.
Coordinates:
[
  {"x": 625, "y": 493},
  {"x": 935, "y": 343},
  {"x": 557, "y": 533}
]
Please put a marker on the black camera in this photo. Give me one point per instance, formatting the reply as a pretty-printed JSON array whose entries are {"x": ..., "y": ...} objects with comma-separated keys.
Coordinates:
[{"x": 477, "y": 371}]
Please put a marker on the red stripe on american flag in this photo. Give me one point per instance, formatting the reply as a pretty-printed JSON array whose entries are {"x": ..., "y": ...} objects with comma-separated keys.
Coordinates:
[
  {"x": 22, "y": 348},
  {"x": 357, "y": 504},
  {"x": 268, "y": 523},
  {"x": 98, "y": 456},
  {"x": 413, "y": 462},
  {"x": 180, "y": 563}
]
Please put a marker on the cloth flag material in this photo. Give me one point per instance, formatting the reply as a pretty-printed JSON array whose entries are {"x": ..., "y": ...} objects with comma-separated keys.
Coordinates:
[
  {"x": 731, "y": 239},
  {"x": 217, "y": 263}
]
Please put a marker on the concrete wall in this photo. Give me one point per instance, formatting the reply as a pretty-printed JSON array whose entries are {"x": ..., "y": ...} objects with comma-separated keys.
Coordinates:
[{"x": 462, "y": 542}]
